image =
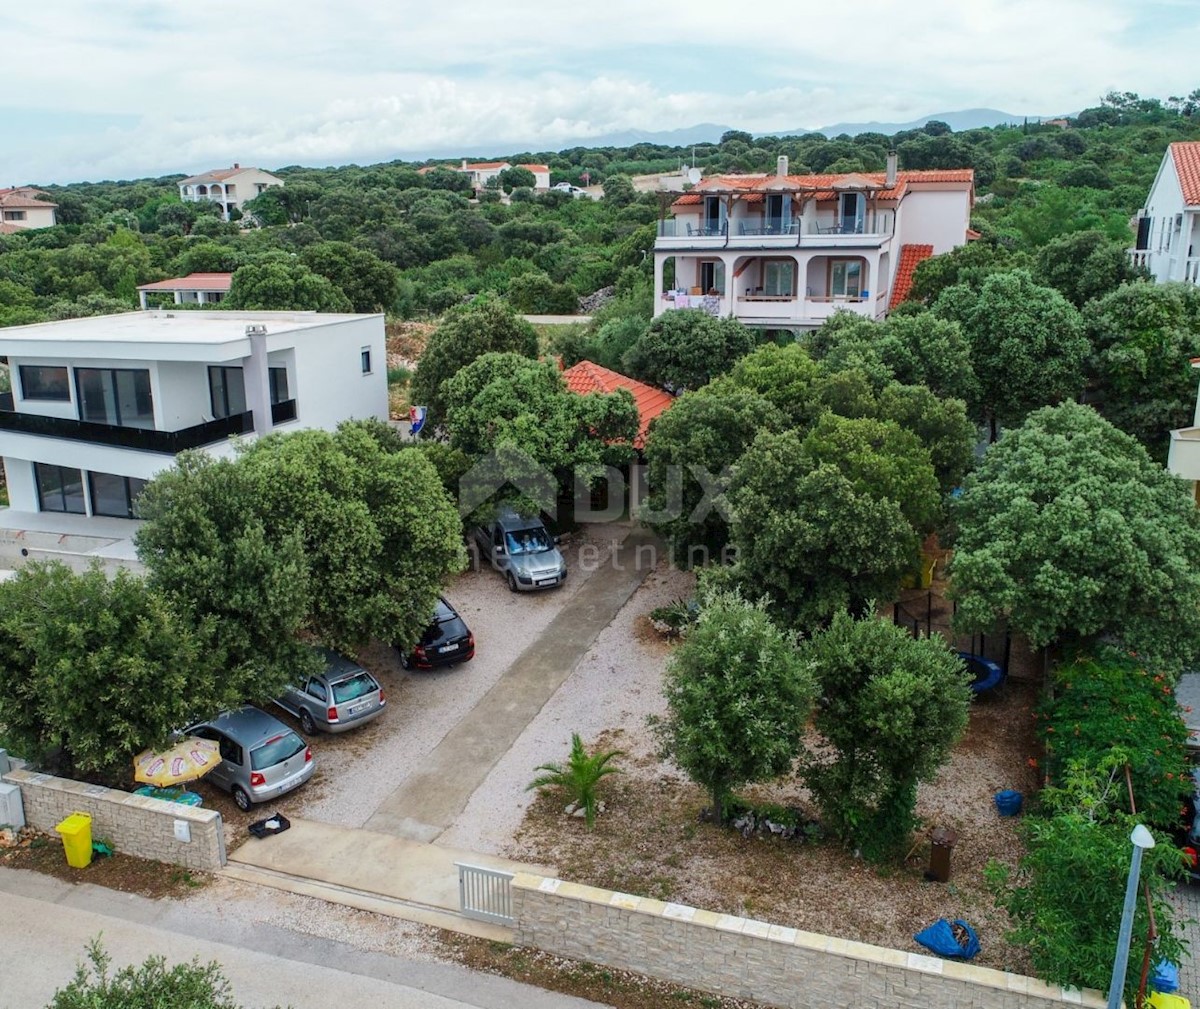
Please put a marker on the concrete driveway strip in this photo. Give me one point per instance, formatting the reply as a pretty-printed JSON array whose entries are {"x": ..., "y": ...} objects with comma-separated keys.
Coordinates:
[
  {"x": 266, "y": 966},
  {"x": 436, "y": 792}
]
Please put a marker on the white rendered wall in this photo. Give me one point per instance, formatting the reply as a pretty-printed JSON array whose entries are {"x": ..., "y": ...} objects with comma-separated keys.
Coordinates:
[
  {"x": 938, "y": 218},
  {"x": 328, "y": 384}
]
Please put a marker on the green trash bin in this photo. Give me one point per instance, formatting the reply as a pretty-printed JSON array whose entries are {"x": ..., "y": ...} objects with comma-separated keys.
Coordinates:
[{"x": 76, "y": 832}]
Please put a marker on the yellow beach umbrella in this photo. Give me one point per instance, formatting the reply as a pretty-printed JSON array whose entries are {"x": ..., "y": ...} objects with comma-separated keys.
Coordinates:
[{"x": 189, "y": 759}]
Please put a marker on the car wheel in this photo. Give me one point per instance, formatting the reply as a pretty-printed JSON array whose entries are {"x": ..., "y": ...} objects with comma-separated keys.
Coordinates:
[
  {"x": 241, "y": 799},
  {"x": 512, "y": 583},
  {"x": 307, "y": 725},
  {"x": 405, "y": 661}
]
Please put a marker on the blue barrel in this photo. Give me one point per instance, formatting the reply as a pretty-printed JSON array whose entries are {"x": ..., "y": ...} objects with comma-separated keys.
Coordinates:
[{"x": 1008, "y": 802}]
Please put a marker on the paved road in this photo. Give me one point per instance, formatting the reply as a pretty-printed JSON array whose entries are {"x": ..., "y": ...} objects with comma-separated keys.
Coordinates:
[
  {"x": 267, "y": 966},
  {"x": 1187, "y": 899},
  {"x": 433, "y": 795}
]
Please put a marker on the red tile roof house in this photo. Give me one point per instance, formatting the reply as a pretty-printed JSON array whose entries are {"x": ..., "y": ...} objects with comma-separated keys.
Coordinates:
[
  {"x": 784, "y": 252},
  {"x": 22, "y": 207},
  {"x": 482, "y": 172},
  {"x": 586, "y": 377},
  {"x": 1168, "y": 227},
  {"x": 194, "y": 289}
]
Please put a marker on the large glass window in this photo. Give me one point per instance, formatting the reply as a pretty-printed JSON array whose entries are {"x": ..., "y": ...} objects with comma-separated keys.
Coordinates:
[
  {"x": 712, "y": 277},
  {"x": 227, "y": 389},
  {"x": 845, "y": 279},
  {"x": 115, "y": 495},
  {"x": 777, "y": 278},
  {"x": 117, "y": 396},
  {"x": 45, "y": 381},
  {"x": 59, "y": 489}
]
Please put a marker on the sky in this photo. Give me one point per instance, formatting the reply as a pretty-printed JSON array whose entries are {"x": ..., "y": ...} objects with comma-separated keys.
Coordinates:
[{"x": 138, "y": 88}]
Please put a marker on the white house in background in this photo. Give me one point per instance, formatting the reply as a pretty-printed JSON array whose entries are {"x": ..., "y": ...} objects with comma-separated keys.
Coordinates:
[
  {"x": 100, "y": 405},
  {"x": 1183, "y": 456},
  {"x": 1168, "y": 227},
  {"x": 787, "y": 251},
  {"x": 24, "y": 207},
  {"x": 482, "y": 172},
  {"x": 230, "y": 187},
  {"x": 194, "y": 289}
]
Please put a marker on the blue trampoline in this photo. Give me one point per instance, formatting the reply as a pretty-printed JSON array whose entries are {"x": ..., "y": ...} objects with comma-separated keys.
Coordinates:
[{"x": 986, "y": 675}]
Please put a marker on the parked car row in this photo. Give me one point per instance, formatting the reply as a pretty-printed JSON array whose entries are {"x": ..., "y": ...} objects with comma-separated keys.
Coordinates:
[{"x": 262, "y": 758}]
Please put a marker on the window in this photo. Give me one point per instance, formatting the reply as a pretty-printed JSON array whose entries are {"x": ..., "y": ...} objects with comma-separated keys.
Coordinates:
[
  {"x": 14, "y": 215},
  {"x": 227, "y": 389},
  {"x": 845, "y": 279},
  {"x": 116, "y": 396},
  {"x": 778, "y": 277},
  {"x": 59, "y": 489},
  {"x": 114, "y": 495},
  {"x": 42, "y": 381},
  {"x": 712, "y": 277},
  {"x": 316, "y": 689},
  {"x": 366, "y": 360},
  {"x": 851, "y": 218}
]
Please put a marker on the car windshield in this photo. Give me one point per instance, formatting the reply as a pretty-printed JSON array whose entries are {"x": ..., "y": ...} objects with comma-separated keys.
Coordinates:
[
  {"x": 527, "y": 541},
  {"x": 276, "y": 750},
  {"x": 353, "y": 687},
  {"x": 443, "y": 614}
]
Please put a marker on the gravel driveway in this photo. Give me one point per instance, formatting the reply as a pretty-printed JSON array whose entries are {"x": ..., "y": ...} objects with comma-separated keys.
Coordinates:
[{"x": 357, "y": 770}]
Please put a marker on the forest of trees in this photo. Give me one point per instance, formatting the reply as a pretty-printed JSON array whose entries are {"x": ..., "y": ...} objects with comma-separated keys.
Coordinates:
[{"x": 384, "y": 237}]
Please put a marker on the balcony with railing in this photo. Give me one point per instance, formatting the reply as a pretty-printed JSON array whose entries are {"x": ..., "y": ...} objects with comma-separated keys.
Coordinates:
[
  {"x": 758, "y": 232},
  {"x": 142, "y": 439}
]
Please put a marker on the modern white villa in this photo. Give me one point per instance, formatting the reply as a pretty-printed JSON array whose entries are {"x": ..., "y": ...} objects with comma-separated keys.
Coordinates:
[
  {"x": 100, "y": 405},
  {"x": 23, "y": 207},
  {"x": 1168, "y": 227},
  {"x": 230, "y": 187},
  {"x": 787, "y": 251}
]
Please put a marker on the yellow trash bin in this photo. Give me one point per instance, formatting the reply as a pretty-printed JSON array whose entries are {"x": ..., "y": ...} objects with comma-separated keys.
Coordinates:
[
  {"x": 76, "y": 832},
  {"x": 1161, "y": 1001}
]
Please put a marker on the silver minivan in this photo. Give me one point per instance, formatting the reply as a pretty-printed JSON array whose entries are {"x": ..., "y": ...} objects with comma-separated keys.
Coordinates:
[
  {"x": 342, "y": 696},
  {"x": 523, "y": 551},
  {"x": 261, "y": 758}
]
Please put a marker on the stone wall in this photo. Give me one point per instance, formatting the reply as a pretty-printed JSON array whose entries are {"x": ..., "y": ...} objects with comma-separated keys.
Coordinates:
[
  {"x": 134, "y": 824},
  {"x": 755, "y": 960}
]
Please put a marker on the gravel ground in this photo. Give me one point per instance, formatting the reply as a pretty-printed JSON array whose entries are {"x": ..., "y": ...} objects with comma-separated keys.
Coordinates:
[
  {"x": 357, "y": 770},
  {"x": 614, "y": 687}
]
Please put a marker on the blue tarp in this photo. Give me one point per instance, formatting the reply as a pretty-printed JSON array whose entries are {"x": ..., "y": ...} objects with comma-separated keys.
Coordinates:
[
  {"x": 1165, "y": 977},
  {"x": 939, "y": 939}
]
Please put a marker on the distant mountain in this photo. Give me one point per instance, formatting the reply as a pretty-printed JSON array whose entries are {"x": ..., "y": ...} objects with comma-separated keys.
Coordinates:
[
  {"x": 965, "y": 119},
  {"x": 701, "y": 133}
]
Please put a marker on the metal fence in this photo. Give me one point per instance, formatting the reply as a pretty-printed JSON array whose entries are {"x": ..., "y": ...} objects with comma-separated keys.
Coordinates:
[
  {"x": 925, "y": 614},
  {"x": 485, "y": 894}
]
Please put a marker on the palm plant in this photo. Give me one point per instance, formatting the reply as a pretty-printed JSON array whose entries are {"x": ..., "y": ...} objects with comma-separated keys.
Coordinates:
[{"x": 578, "y": 777}]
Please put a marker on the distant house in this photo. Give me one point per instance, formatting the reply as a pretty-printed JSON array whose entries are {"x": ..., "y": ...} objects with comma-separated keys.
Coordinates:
[
  {"x": 229, "y": 187},
  {"x": 1167, "y": 229},
  {"x": 23, "y": 207},
  {"x": 482, "y": 172},
  {"x": 194, "y": 289},
  {"x": 1183, "y": 456},
  {"x": 586, "y": 377},
  {"x": 1062, "y": 124},
  {"x": 783, "y": 251}
]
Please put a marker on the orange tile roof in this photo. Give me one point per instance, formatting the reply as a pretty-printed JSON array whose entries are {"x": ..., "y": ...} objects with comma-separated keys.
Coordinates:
[
  {"x": 11, "y": 229},
  {"x": 18, "y": 197},
  {"x": 586, "y": 377},
  {"x": 1186, "y": 155},
  {"x": 910, "y": 256},
  {"x": 823, "y": 187},
  {"x": 217, "y": 175},
  {"x": 480, "y": 165},
  {"x": 973, "y": 235},
  {"x": 536, "y": 168},
  {"x": 192, "y": 282}
]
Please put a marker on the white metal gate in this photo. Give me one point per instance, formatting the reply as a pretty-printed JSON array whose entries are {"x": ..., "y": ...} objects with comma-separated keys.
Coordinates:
[{"x": 485, "y": 894}]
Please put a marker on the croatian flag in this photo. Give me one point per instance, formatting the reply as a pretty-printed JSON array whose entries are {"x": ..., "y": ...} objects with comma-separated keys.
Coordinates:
[{"x": 416, "y": 419}]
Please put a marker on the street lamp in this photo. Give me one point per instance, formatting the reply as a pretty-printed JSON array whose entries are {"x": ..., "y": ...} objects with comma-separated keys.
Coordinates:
[{"x": 1142, "y": 840}]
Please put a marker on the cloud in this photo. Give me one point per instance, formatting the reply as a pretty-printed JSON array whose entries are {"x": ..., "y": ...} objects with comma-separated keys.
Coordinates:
[{"x": 309, "y": 82}]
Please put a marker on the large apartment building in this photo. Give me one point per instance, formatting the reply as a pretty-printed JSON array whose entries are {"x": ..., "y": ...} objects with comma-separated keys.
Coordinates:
[
  {"x": 787, "y": 251},
  {"x": 100, "y": 405}
]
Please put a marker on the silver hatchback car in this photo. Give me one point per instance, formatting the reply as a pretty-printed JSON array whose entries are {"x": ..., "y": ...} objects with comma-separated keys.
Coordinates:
[
  {"x": 261, "y": 758},
  {"x": 341, "y": 697},
  {"x": 523, "y": 551}
]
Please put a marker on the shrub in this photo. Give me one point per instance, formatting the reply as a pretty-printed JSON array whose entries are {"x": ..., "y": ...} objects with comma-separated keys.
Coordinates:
[{"x": 578, "y": 777}]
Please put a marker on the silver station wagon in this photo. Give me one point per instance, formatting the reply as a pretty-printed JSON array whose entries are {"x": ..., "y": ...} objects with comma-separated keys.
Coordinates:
[
  {"x": 261, "y": 758},
  {"x": 339, "y": 698}
]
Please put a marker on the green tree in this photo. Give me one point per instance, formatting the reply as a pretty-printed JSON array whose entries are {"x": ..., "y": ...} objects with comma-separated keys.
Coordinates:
[
  {"x": 94, "y": 670},
  {"x": 1027, "y": 344},
  {"x": 537, "y": 294},
  {"x": 969, "y": 264},
  {"x": 892, "y": 707},
  {"x": 278, "y": 282},
  {"x": 365, "y": 279},
  {"x": 619, "y": 191},
  {"x": 687, "y": 349},
  {"x": 786, "y": 377},
  {"x": 1143, "y": 338},
  {"x": 690, "y": 452},
  {"x": 579, "y": 777},
  {"x": 1085, "y": 265},
  {"x": 814, "y": 535},
  {"x": 152, "y": 985},
  {"x": 1069, "y": 532},
  {"x": 484, "y": 326},
  {"x": 516, "y": 178},
  {"x": 738, "y": 699}
]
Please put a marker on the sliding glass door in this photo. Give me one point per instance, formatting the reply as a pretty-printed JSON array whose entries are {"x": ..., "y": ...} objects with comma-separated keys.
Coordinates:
[{"x": 116, "y": 396}]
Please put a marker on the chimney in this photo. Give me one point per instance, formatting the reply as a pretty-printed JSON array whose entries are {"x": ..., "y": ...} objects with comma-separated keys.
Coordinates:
[
  {"x": 464, "y": 164},
  {"x": 236, "y": 165},
  {"x": 892, "y": 163},
  {"x": 781, "y": 165}
]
